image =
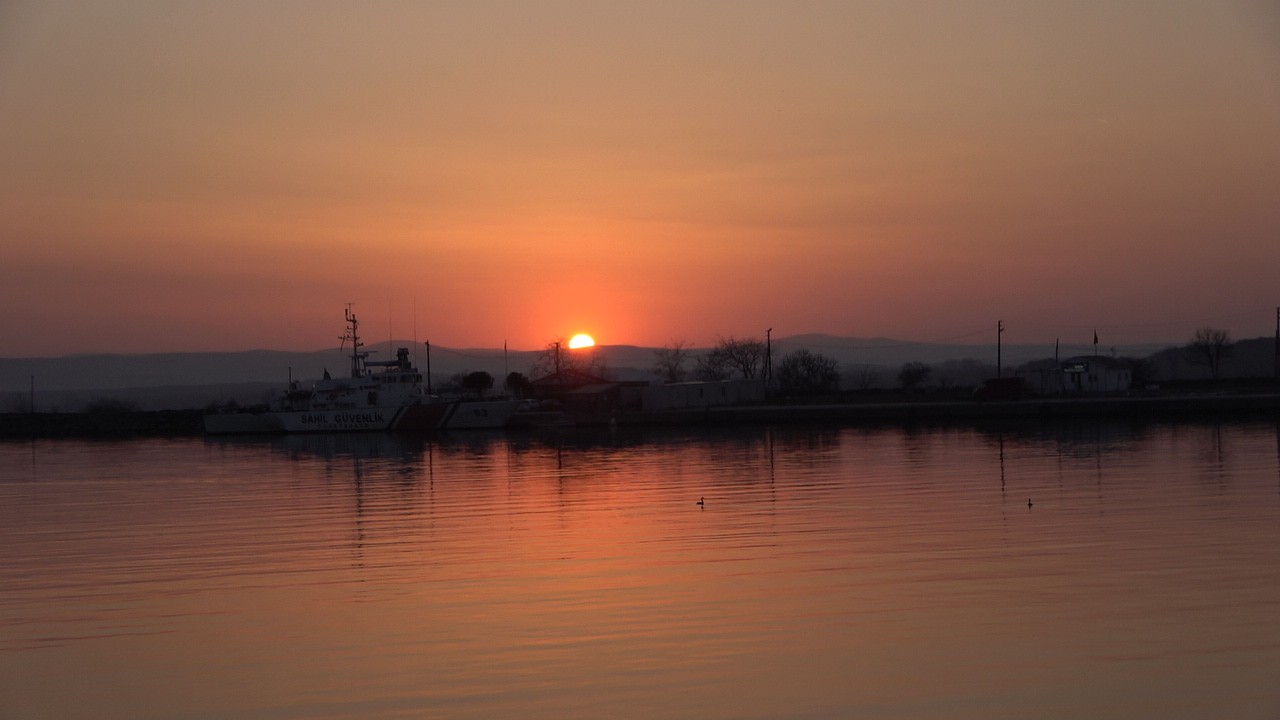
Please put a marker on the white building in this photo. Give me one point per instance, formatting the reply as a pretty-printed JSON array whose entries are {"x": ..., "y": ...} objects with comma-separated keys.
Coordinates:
[{"x": 1095, "y": 374}]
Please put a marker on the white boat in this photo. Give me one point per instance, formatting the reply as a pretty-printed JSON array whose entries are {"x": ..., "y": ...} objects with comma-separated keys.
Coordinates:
[{"x": 391, "y": 398}]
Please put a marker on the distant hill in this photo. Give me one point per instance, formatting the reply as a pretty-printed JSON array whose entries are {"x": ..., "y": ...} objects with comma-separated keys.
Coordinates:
[
  {"x": 1253, "y": 358},
  {"x": 182, "y": 380}
]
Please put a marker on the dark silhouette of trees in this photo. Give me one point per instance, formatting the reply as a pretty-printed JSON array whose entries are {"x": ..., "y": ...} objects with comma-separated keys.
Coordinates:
[
  {"x": 1139, "y": 369},
  {"x": 961, "y": 373},
  {"x": 519, "y": 385},
  {"x": 744, "y": 356},
  {"x": 669, "y": 361},
  {"x": 808, "y": 373},
  {"x": 710, "y": 368},
  {"x": 864, "y": 376},
  {"x": 111, "y": 406},
  {"x": 451, "y": 386},
  {"x": 549, "y": 359},
  {"x": 557, "y": 356},
  {"x": 477, "y": 382},
  {"x": 1208, "y": 347},
  {"x": 912, "y": 374}
]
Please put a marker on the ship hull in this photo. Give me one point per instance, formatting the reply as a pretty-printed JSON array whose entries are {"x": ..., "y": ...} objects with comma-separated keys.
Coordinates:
[
  {"x": 407, "y": 418},
  {"x": 477, "y": 415}
]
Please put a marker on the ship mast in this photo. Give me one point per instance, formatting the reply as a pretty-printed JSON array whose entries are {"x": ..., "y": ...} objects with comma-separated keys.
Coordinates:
[{"x": 353, "y": 334}]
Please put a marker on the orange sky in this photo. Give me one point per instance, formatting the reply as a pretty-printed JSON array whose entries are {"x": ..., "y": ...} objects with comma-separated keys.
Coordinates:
[{"x": 225, "y": 176}]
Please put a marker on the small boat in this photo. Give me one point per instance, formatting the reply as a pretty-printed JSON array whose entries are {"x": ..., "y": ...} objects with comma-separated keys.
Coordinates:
[{"x": 379, "y": 395}]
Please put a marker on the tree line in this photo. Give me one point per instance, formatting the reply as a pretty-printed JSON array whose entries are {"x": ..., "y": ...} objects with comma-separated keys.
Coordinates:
[
  {"x": 798, "y": 372},
  {"x": 802, "y": 372}
]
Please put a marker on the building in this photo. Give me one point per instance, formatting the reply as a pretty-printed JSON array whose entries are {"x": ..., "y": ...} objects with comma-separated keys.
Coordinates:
[
  {"x": 556, "y": 385},
  {"x": 587, "y": 398},
  {"x": 674, "y": 396},
  {"x": 1088, "y": 374}
]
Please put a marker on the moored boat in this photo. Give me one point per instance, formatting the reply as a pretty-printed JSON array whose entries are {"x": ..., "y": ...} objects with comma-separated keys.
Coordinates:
[{"x": 378, "y": 395}]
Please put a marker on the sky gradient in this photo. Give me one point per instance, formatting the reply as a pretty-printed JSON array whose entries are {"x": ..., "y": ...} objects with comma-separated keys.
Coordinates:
[{"x": 226, "y": 176}]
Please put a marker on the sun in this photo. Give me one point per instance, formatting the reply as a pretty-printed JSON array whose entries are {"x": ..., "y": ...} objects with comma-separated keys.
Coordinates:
[{"x": 581, "y": 340}]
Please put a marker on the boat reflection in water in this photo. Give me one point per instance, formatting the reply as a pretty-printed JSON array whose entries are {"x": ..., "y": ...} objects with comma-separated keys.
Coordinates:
[{"x": 893, "y": 573}]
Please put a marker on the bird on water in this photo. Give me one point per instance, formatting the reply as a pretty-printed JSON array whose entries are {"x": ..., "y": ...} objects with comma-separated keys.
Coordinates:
[
  {"x": 702, "y": 502},
  {"x": 1028, "y": 502}
]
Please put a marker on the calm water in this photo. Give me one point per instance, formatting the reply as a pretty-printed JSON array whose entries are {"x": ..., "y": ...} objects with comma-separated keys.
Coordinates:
[{"x": 834, "y": 573}]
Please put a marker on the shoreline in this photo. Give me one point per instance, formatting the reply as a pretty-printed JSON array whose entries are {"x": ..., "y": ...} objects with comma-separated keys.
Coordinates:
[
  {"x": 1141, "y": 408},
  {"x": 102, "y": 425},
  {"x": 189, "y": 423}
]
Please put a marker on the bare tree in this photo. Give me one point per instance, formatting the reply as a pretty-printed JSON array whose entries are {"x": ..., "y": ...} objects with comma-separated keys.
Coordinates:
[
  {"x": 711, "y": 367},
  {"x": 669, "y": 361},
  {"x": 803, "y": 372},
  {"x": 864, "y": 376},
  {"x": 557, "y": 356},
  {"x": 548, "y": 360},
  {"x": 1208, "y": 347},
  {"x": 744, "y": 355},
  {"x": 912, "y": 374}
]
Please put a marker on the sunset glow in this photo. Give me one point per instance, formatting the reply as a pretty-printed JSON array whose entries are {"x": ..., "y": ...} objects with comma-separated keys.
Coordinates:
[
  {"x": 581, "y": 340},
  {"x": 209, "y": 178}
]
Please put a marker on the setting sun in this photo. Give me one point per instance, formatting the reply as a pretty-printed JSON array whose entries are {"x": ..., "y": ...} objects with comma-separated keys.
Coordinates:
[{"x": 581, "y": 340}]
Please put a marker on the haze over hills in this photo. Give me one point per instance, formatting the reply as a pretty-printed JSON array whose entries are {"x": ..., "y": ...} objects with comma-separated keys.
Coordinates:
[{"x": 164, "y": 380}]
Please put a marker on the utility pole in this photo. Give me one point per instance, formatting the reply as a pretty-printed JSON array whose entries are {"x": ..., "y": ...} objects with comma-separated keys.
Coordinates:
[
  {"x": 428, "y": 344},
  {"x": 999, "y": 332},
  {"x": 768, "y": 357},
  {"x": 557, "y": 358}
]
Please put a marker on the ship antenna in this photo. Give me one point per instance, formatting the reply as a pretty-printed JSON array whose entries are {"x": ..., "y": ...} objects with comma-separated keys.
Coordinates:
[{"x": 353, "y": 333}]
